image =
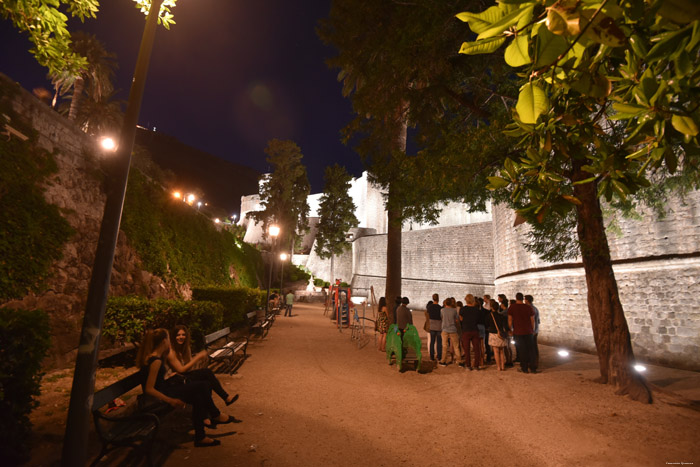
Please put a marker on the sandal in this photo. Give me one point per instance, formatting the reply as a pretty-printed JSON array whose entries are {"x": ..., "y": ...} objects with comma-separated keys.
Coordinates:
[
  {"x": 230, "y": 419},
  {"x": 235, "y": 398},
  {"x": 204, "y": 444}
]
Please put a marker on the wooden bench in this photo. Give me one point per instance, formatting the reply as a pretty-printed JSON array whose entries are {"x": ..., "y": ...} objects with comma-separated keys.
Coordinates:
[
  {"x": 137, "y": 430},
  {"x": 228, "y": 357},
  {"x": 260, "y": 322}
]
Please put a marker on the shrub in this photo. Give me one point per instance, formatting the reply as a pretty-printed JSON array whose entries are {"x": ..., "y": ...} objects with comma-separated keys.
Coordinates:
[
  {"x": 318, "y": 282},
  {"x": 296, "y": 273},
  {"x": 126, "y": 318},
  {"x": 236, "y": 301},
  {"x": 24, "y": 341}
]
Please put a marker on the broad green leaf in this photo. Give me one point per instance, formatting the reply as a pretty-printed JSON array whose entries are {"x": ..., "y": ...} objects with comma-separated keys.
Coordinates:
[
  {"x": 682, "y": 64},
  {"x": 507, "y": 21},
  {"x": 548, "y": 47},
  {"x": 685, "y": 125},
  {"x": 480, "y": 22},
  {"x": 629, "y": 108},
  {"x": 603, "y": 29},
  {"x": 497, "y": 182},
  {"x": 562, "y": 20},
  {"x": 665, "y": 46},
  {"x": 573, "y": 199},
  {"x": 516, "y": 53},
  {"x": 596, "y": 86},
  {"x": 485, "y": 46},
  {"x": 532, "y": 102}
]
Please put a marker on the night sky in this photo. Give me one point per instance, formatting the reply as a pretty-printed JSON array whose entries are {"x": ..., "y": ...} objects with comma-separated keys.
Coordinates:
[{"x": 229, "y": 76}]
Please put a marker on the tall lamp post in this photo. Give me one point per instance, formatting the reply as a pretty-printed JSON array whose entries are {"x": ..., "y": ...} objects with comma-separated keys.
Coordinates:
[
  {"x": 274, "y": 231},
  {"x": 283, "y": 258},
  {"x": 76, "y": 436}
]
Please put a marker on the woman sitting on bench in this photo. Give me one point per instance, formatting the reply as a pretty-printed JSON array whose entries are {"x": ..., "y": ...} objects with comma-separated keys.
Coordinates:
[
  {"x": 155, "y": 346},
  {"x": 181, "y": 361}
]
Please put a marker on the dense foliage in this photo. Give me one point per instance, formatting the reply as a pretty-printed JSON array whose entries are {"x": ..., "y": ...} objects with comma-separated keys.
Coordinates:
[
  {"x": 284, "y": 192},
  {"x": 24, "y": 341},
  {"x": 336, "y": 213},
  {"x": 175, "y": 241},
  {"x": 236, "y": 302},
  {"x": 126, "y": 318},
  {"x": 32, "y": 231},
  {"x": 608, "y": 96}
]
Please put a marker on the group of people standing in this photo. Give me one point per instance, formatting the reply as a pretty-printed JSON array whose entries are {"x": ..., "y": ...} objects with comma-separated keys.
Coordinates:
[{"x": 481, "y": 325}]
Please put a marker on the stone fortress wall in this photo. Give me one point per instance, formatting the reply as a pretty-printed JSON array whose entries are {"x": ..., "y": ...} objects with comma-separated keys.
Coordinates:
[{"x": 657, "y": 266}]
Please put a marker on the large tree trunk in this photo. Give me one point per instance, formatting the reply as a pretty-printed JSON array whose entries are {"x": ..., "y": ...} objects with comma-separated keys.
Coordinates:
[
  {"x": 393, "y": 260},
  {"x": 612, "y": 337},
  {"x": 395, "y": 222},
  {"x": 78, "y": 87}
]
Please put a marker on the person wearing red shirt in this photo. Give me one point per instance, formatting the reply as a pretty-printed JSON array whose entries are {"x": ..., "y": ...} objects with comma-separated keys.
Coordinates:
[{"x": 521, "y": 318}]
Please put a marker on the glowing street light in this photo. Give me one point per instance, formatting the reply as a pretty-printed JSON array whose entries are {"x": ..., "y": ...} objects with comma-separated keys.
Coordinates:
[
  {"x": 283, "y": 258},
  {"x": 640, "y": 368},
  {"x": 199, "y": 204},
  {"x": 216, "y": 221},
  {"x": 108, "y": 144},
  {"x": 274, "y": 231},
  {"x": 190, "y": 199},
  {"x": 563, "y": 353},
  {"x": 177, "y": 195}
]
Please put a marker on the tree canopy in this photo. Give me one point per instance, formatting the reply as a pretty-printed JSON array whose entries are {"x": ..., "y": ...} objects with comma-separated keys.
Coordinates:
[
  {"x": 284, "y": 192},
  {"x": 336, "y": 213},
  {"x": 608, "y": 105}
]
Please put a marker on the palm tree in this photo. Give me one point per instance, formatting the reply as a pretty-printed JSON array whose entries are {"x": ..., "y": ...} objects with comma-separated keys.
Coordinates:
[{"x": 96, "y": 77}]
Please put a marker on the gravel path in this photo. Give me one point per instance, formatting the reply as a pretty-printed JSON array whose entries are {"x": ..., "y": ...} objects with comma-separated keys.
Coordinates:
[{"x": 309, "y": 396}]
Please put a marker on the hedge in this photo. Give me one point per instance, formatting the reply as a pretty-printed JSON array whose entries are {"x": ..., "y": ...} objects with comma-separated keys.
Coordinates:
[
  {"x": 237, "y": 301},
  {"x": 24, "y": 341},
  {"x": 126, "y": 318}
]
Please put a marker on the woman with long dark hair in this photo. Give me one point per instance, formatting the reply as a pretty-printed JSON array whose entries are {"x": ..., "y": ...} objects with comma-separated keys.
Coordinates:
[
  {"x": 181, "y": 361},
  {"x": 382, "y": 324},
  {"x": 154, "y": 348}
]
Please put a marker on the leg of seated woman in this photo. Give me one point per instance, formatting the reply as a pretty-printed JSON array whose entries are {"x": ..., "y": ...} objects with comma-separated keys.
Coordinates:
[
  {"x": 205, "y": 374},
  {"x": 198, "y": 394}
]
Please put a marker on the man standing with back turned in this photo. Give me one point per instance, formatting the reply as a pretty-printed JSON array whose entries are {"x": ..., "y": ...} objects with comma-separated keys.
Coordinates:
[{"x": 521, "y": 318}]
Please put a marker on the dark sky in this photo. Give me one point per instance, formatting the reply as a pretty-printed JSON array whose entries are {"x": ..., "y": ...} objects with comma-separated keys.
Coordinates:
[{"x": 228, "y": 77}]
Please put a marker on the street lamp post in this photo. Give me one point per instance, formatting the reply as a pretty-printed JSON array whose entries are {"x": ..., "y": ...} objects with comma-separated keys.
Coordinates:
[
  {"x": 76, "y": 436},
  {"x": 274, "y": 231},
  {"x": 283, "y": 258}
]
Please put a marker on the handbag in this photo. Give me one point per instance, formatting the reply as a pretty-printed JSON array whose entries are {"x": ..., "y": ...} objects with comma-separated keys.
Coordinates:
[
  {"x": 498, "y": 330},
  {"x": 426, "y": 326}
]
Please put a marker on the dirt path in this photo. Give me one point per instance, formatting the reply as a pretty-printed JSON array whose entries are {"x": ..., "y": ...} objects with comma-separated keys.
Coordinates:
[{"x": 311, "y": 397}]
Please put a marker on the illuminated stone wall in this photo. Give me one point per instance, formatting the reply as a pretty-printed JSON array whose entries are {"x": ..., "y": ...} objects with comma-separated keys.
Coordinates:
[
  {"x": 657, "y": 267},
  {"x": 450, "y": 261}
]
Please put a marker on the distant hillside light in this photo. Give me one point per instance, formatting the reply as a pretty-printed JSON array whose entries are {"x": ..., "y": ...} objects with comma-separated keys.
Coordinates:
[
  {"x": 563, "y": 353},
  {"x": 190, "y": 199},
  {"x": 640, "y": 368},
  {"x": 216, "y": 221},
  {"x": 177, "y": 195},
  {"x": 108, "y": 144}
]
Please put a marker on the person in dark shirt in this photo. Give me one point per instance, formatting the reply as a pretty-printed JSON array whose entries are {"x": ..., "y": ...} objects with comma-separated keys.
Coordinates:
[
  {"x": 435, "y": 327},
  {"x": 521, "y": 317},
  {"x": 470, "y": 316},
  {"x": 403, "y": 315}
]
